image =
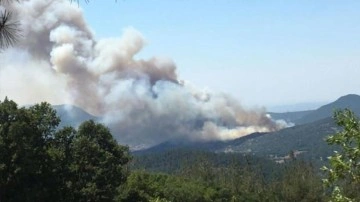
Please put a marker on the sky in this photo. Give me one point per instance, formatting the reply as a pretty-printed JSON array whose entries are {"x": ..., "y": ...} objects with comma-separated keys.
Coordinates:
[
  {"x": 156, "y": 70},
  {"x": 263, "y": 53}
]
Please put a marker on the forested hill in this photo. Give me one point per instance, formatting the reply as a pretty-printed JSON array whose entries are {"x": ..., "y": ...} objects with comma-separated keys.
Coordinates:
[
  {"x": 210, "y": 146},
  {"x": 72, "y": 116},
  {"x": 350, "y": 101},
  {"x": 307, "y": 139}
]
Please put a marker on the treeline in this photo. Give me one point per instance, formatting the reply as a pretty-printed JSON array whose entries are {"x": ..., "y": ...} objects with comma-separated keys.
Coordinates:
[
  {"x": 222, "y": 177},
  {"x": 173, "y": 161},
  {"x": 41, "y": 162}
]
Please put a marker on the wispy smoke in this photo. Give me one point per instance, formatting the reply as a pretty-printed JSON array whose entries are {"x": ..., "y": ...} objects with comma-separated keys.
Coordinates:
[{"x": 141, "y": 100}]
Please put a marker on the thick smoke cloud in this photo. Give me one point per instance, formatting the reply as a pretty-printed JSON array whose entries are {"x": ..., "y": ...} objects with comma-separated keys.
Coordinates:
[{"x": 142, "y": 100}]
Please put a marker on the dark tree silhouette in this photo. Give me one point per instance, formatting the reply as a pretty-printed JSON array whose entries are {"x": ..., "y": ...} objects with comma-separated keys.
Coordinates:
[{"x": 9, "y": 27}]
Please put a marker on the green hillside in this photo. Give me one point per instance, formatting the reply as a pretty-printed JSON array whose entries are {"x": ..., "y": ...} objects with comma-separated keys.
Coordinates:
[
  {"x": 350, "y": 101},
  {"x": 307, "y": 138}
]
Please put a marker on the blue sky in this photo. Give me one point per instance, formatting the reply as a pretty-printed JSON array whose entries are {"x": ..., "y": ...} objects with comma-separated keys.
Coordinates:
[{"x": 264, "y": 53}]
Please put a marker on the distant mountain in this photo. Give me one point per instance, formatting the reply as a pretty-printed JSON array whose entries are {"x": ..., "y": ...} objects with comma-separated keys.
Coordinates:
[
  {"x": 204, "y": 146},
  {"x": 305, "y": 106},
  {"x": 72, "y": 116},
  {"x": 350, "y": 101},
  {"x": 308, "y": 139},
  {"x": 290, "y": 117}
]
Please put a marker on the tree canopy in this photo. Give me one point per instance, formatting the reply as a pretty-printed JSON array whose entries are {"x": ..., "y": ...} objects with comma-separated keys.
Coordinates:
[
  {"x": 9, "y": 27},
  {"x": 40, "y": 163},
  {"x": 343, "y": 173}
]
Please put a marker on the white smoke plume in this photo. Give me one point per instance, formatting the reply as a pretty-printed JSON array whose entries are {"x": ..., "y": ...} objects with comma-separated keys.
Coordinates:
[{"x": 141, "y": 100}]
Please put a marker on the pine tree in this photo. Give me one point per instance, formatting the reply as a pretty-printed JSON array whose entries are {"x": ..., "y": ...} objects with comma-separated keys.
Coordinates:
[{"x": 9, "y": 27}]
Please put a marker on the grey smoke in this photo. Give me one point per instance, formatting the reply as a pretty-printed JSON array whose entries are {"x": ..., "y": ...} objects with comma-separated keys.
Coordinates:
[{"x": 142, "y": 100}]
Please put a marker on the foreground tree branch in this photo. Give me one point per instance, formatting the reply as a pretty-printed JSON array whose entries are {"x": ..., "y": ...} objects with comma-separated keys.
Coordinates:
[
  {"x": 9, "y": 30},
  {"x": 9, "y": 26}
]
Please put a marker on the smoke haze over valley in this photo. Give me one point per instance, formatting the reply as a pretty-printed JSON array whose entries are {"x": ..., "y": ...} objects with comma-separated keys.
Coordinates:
[{"x": 143, "y": 101}]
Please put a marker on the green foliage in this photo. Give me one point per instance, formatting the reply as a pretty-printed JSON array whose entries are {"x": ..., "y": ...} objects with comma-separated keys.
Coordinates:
[
  {"x": 25, "y": 166},
  {"x": 235, "y": 177},
  {"x": 38, "y": 163},
  {"x": 292, "y": 181},
  {"x": 142, "y": 186},
  {"x": 343, "y": 173},
  {"x": 97, "y": 165},
  {"x": 298, "y": 182},
  {"x": 179, "y": 160}
]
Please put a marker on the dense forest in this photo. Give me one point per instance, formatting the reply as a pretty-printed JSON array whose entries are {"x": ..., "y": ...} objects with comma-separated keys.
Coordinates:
[{"x": 41, "y": 162}]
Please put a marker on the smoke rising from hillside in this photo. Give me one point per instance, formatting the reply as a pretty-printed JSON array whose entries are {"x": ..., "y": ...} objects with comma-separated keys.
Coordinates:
[{"x": 141, "y": 100}]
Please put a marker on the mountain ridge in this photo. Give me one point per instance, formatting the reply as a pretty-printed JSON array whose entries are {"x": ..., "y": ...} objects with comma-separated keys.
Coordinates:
[
  {"x": 71, "y": 115},
  {"x": 350, "y": 101},
  {"x": 308, "y": 137}
]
